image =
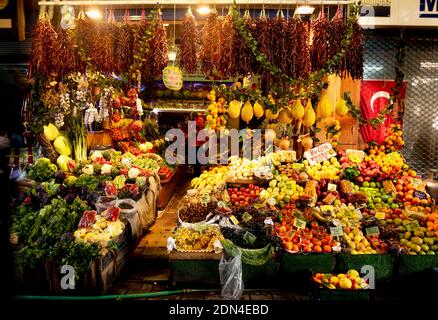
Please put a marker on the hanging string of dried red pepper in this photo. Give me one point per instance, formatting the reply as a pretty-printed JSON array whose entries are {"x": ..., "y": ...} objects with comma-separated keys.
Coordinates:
[
  {"x": 158, "y": 49},
  {"x": 188, "y": 48},
  {"x": 298, "y": 57},
  {"x": 355, "y": 53},
  {"x": 319, "y": 47},
  {"x": 44, "y": 57},
  {"x": 336, "y": 34},
  {"x": 70, "y": 59},
  {"x": 124, "y": 45},
  {"x": 210, "y": 46},
  {"x": 226, "y": 63},
  {"x": 278, "y": 47}
]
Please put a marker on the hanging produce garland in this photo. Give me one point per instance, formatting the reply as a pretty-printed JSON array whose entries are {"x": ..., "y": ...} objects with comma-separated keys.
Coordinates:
[
  {"x": 355, "y": 53},
  {"x": 336, "y": 30},
  {"x": 298, "y": 58},
  {"x": 210, "y": 46},
  {"x": 278, "y": 47},
  {"x": 243, "y": 56},
  {"x": 226, "y": 62},
  {"x": 158, "y": 48},
  {"x": 44, "y": 56},
  {"x": 124, "y": 43},
  {"x": 70, "y": 57},
  {"x": 318, "y": 51},
  {"x": 188, "y": 49}
]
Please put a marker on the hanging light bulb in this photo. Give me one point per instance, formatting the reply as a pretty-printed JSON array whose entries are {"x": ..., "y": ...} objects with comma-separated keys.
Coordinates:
[
  {"x": 203, "y": 9},
  {"x": 94, "y": 13}
]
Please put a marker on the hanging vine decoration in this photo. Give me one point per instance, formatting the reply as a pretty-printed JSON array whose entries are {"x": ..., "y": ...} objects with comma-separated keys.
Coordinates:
[{"x": 313, "y": 83}]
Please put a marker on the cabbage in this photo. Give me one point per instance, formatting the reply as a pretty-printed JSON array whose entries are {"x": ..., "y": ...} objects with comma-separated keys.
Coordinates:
[
  {"x": 70, "y": 181},
  {"x": 62, "y": 146},
  {"x": 51, "y": 132},
  {"x": 62, "y": 162}
]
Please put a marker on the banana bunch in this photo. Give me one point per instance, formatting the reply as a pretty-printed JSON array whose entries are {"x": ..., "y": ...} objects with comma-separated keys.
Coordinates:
[{"x": 208, "y": 180}]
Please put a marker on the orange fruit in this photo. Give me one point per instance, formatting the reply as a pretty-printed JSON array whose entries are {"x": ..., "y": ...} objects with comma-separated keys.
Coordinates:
[
  {"x": 416, "y": 200},
  {"x": 424, "y": 202}
]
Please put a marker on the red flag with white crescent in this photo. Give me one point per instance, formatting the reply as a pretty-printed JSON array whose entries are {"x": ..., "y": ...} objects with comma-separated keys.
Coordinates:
[{"x": 374, "y": 96}]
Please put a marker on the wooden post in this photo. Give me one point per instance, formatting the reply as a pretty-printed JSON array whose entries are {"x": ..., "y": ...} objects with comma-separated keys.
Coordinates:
[{"x": 21, "y": 21}]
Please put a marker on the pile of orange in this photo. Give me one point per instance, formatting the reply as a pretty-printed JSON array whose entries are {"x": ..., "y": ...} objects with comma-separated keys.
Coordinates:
[
  {"x": 405, "y": 194},
  {"x": 394, "y": 140},
  {"x": 432, "y": 223}
]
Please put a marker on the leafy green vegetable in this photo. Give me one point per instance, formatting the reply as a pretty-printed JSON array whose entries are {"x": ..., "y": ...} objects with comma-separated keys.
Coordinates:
[{"x": 42, "y": 171}]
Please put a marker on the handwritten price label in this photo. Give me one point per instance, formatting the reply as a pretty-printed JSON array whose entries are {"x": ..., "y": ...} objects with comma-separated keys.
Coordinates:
[
  {"x": 336, "y": 231},
  {"x": 234, "y": 220},
  {"x": 300, "y": 224},
  {"x": 246, "y": 217},
  {"x": 412, "y": 226},
  {"x": 372, "y": 231},
  {"x": 319, "y": 153},
  {"x": 331, "y": 187},
  {"x": 249, "y": 238}
]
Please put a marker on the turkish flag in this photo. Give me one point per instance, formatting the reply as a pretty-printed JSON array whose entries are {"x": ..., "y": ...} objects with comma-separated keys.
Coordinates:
[{"x": 374, "y": 96}]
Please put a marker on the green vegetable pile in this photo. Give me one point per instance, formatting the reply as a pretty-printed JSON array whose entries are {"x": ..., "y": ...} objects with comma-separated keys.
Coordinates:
[{"x": 42, "y": 170}]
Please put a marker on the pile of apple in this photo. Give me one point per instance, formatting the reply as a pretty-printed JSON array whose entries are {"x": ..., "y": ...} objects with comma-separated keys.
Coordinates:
[
  {"x": 313, "y": 239},
  {"x": 377, "y": 197},
  {"x": 242, "y": 197},
  {"x": 347, "y": 281},
  {"x": 378, "y": 244},
  {"x": 283, "y": 189}
]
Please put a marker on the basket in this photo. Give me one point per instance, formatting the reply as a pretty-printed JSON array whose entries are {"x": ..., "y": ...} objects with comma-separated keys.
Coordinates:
[{"x": 48, "y": 149}]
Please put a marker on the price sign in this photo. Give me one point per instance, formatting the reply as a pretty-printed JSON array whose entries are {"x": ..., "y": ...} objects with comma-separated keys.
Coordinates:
[
  {"x": 246, "y": 217},
  {"x": 336, "y": 231},
  {"x": 416, "y": 182},
  {"x": 300, "y": 224},
  {"x": 272, "y": 202},
  {"x": 173, "y": 78},
  {"x": 249, "y": 238},
  {"x": 380, "y": 215},
  {"x": 234, "y": 220},
  {"x": 355, "y": 155},
  {"x": 331, "y": 187},
  {"x": 412, "y": 226},
  {"x": 337, "y": 223},
  {"x": 372, "y": 231},
  {"x": 420, "y": 194},
  {"x": 320, "y": 153}
]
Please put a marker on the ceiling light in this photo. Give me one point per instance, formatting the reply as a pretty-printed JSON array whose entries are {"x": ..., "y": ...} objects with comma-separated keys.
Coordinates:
[
  {"x": 203, "y": 10},
  {"x": 304, "y": 10},
  {"x": 94, "y": 13},
  {"x": 165, "y": 24}
]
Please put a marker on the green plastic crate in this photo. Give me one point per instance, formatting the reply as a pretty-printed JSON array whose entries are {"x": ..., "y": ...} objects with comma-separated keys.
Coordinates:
[{"x": 383, "y": 264}]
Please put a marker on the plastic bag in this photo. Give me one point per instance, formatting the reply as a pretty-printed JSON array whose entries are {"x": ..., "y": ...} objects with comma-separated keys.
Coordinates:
[
  {"x": 104, "y": 203},
  {"x": 127, "y": 212},
  {"x": 230, "y": 272}
]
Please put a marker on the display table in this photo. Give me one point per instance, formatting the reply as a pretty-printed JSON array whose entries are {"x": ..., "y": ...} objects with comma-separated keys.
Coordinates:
[{"x": 168, "y": 188}]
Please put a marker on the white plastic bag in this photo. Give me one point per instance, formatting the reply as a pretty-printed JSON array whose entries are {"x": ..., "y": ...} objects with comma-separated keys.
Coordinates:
[{"x": 230, "y": 272}]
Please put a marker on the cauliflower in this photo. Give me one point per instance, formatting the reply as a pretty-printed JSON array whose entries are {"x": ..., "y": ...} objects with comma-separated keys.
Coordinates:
[
  {"x": 88, "y": 169},
  {"x": 106, "y": 169},
  {"x": 127, "y": 162},
  {"x": 96, "y": 155},
  {"x": 133, "y": 173}
]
